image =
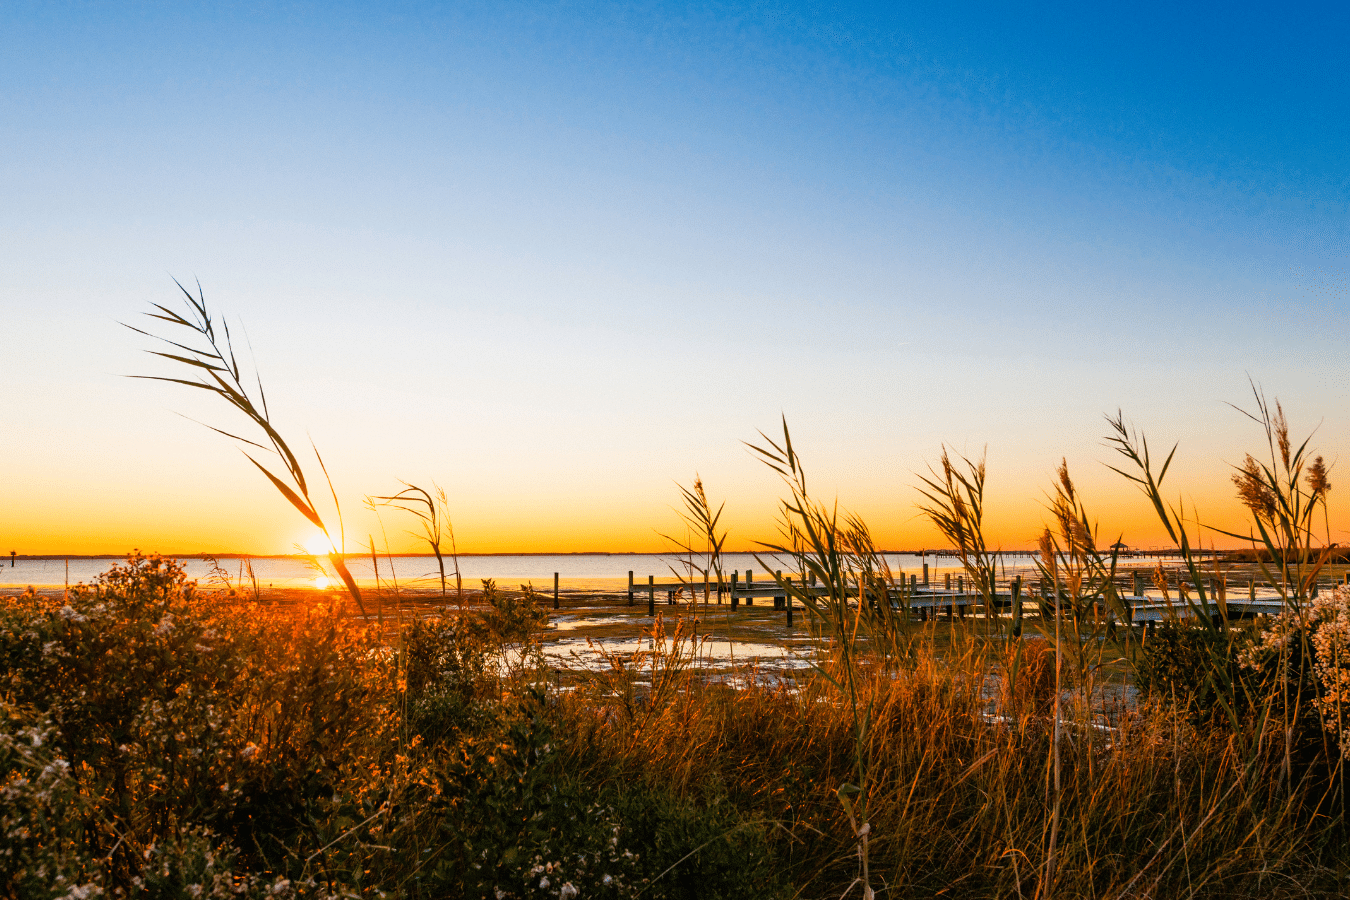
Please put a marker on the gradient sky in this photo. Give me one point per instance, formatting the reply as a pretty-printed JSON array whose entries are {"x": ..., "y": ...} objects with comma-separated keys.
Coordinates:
[{"x": 558, "y": 257}]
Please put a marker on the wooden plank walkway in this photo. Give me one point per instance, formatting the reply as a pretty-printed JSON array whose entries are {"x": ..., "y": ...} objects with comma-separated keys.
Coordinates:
[{"x": 930, "y": 601}]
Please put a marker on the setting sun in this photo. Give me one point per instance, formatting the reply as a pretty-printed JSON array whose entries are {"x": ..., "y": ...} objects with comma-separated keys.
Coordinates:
[{"x": 318, "y": 544}]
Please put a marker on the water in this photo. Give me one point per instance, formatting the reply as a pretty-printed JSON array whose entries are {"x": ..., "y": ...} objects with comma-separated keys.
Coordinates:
[
  {"x": 714, "y": 653},
  {"x": 604, "y": 572}
]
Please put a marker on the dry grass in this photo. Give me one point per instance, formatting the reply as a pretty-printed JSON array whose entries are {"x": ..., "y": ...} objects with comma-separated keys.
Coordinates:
[{"x": 960, "y": 791}]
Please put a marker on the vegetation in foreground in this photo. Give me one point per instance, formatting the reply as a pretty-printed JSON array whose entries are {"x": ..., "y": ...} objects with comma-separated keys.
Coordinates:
[
  {"x": 156, "y": 741},
  {"x": 160, "y": 741}
]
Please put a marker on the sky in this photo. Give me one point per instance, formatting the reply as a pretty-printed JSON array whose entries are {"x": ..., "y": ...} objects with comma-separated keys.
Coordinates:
[{"x": 557, "y": 258}]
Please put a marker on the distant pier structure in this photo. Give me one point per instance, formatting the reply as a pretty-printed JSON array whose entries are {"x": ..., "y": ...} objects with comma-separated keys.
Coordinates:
[{"x": 12, "y": 555}]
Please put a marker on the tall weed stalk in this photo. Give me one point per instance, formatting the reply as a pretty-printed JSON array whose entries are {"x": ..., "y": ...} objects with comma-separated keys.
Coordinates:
[
  {"x": 704, "y": 540},
  {"x": 840, "y": 558},
  {"x": 211, "y": 360},
  {"x": 430, "y": 511},
  {"x": 953, "y": 500}
]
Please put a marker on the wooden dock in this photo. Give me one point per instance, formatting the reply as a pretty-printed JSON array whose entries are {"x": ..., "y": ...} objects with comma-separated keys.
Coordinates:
[{"x": 926, "y": 600}]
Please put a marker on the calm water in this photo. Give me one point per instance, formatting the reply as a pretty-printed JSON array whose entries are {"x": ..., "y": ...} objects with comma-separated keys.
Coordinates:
[{"x": 575, "y": 571}]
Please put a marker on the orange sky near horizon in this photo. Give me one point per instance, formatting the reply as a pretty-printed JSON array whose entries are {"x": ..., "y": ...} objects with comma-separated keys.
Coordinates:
[{"x": 256, "y": 520}]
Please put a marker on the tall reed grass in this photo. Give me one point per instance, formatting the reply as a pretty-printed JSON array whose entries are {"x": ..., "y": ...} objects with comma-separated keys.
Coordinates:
[{"x": 215, "y": 369}]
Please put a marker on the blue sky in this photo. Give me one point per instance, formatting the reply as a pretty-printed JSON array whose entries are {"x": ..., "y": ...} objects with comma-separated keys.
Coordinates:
[{"x": 556, "y": 256}]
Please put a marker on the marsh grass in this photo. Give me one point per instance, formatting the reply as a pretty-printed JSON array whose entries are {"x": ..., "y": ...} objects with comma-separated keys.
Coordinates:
[
  {"x": 958, "y": 798},
  {"x": 952, "y": 499},
  {"x": 700, "y": 550}
]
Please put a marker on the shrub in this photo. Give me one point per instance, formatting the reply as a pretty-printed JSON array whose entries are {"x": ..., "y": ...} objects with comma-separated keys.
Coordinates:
[
  {"x": 1195, "y": 665},
  {"x": 513, "y": 618},
  {"x": 445, "y": 676},
  {"x": 516, "y": 823},
  {"x": 177, "y": 710},
  {"x": 1305, "y": 659},
  {"x": 43, "y": 853}
]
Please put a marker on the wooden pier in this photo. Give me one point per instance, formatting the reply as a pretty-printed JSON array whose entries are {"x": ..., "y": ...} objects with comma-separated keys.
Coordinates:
[{"x": 926, "y": 600}]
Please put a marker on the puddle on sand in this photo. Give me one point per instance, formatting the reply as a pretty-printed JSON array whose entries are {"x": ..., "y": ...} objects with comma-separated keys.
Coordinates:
[
  {"x": 571, "y": 623},
  {"x": 578, "y": 653}
]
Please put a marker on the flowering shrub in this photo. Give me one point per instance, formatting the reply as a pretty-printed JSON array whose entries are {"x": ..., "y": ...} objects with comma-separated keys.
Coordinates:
[
  {"x": 42, "y": 854},
  {"x": 177, "y": 710},
  {"x": 1311, "y": 650},
  {"x": 1331, "y": 644}
]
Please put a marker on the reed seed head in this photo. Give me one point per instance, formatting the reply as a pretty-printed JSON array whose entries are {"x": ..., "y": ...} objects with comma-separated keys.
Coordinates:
[
  {"x": 1253, "y": 490},
  {"x": 1282, "y": 434},
  {"x": 1317, "y": 478}
]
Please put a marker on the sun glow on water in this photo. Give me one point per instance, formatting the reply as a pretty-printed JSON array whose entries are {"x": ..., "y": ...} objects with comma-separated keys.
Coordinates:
[{"x": 322, "y": 582}]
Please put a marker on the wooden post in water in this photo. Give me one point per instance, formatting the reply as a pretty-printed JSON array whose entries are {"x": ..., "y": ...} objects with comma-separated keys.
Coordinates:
[
  {"x": 735, "y": 580},
  {"x": 778, "y": 577},
  {"x": 630, "y": 587},
  {"x": 925, "y": 574},
  {"x": 1017, "y": 606},
  {"x": 787, "y": 601},
  {"x": 1251, "y": 589},
  {"x": 651, "y": 595},
  {"x": 555, "y": 590},
  {"x": 749, "y": 583},
  {"x": 1138, "y": 584},
  {"x": 947, "y": 581}
]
